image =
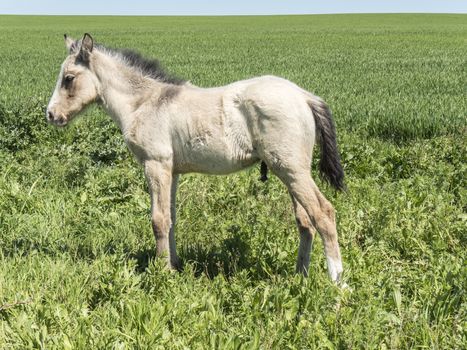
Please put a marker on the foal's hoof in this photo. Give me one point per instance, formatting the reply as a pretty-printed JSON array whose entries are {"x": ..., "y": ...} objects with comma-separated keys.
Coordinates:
[
  {"x": 341, "y": 284},
  {"x": 344, "y": 286},
  {"x": 175, "y": 265}
]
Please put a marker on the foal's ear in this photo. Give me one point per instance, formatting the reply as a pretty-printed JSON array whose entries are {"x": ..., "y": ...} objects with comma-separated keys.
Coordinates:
[
  {"x": 71, "y": 44},
  {"x": 87, "y": 44}
]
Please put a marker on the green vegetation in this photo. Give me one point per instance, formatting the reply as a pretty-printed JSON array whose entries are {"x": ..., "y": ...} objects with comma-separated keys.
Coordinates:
[{"x": 77, "y": 268}]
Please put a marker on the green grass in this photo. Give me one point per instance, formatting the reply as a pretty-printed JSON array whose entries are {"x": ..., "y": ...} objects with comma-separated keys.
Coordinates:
[{"x": 77, "y": 268}]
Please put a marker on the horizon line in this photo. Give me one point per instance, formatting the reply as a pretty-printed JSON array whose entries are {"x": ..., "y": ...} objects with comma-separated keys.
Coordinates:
[{"x": 236, "y": 15}]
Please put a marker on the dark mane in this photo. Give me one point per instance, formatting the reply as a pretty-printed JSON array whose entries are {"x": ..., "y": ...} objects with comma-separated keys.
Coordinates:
[{"x": 149, "y": 67}]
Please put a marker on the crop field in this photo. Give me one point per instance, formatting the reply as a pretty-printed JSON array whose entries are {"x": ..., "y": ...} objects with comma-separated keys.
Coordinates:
[{"x": 77, "y": 263}]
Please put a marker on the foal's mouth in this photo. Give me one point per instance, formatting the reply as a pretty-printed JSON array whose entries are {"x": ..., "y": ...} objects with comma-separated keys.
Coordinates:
[{"x": 60, "y": 122}]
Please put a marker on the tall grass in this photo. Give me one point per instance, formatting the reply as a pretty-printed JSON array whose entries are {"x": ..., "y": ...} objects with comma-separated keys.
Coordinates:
[{"x": 77, "y": 268}]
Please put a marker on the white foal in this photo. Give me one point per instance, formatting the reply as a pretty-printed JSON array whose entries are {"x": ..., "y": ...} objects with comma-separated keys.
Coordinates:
[{"x": 173, "y": 127}]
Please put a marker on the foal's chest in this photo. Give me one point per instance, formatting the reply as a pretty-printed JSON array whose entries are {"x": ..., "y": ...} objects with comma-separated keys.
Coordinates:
[{"x": 147, "y": 139}]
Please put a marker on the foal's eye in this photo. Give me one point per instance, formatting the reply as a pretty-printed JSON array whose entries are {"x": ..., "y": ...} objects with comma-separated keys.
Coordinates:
[{"x": 69, "y": 78}]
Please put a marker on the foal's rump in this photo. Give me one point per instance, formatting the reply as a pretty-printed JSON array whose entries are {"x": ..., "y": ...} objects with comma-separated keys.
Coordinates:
[{"x": 284, "y": 122}]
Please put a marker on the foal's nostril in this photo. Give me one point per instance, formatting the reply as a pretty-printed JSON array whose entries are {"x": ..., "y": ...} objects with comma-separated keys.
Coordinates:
[{"x": 50, "y": 116}]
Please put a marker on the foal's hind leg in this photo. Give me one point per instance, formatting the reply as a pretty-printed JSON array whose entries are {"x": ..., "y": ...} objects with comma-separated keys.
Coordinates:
[
  {"x": 307, "y": 235},
  {"x": 321, "y": 213}
]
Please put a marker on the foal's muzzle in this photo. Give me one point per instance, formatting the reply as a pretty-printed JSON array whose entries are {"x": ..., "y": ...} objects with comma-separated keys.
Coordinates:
[{"x": 55, "y": 119}]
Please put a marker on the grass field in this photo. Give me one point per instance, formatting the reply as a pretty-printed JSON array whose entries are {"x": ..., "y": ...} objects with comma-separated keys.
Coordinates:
[{"x": 77, "y": 268}]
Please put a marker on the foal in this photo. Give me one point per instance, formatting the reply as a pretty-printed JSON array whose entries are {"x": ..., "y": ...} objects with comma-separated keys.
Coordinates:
[{"x": 173, "y": 127}]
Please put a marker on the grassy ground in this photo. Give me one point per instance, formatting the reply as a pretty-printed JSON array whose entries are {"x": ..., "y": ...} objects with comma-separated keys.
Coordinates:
[{"x": 77, "y": 267}]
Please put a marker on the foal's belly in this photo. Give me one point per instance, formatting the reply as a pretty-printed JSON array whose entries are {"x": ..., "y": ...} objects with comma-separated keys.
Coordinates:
[{"x": 204, "y": 155}]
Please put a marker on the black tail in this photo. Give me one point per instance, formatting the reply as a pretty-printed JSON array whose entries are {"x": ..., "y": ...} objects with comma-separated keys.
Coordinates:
[{"x": 330, "y": 164}]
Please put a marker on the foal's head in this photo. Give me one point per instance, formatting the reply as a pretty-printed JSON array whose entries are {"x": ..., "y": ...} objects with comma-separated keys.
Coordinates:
[{"x": 77, "y": 86}]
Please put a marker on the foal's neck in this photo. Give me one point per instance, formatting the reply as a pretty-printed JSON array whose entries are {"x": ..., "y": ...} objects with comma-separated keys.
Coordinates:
[{"x": 121, "y": 87}]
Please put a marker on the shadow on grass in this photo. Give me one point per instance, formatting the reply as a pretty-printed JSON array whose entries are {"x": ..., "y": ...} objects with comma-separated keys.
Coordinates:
[
  {"x": 232, "y": 255},
  {"x": 228, "y": 258}
]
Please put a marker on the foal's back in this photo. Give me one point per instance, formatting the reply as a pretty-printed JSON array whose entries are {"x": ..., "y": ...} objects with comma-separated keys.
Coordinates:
[{"x": 225, "y": 129}]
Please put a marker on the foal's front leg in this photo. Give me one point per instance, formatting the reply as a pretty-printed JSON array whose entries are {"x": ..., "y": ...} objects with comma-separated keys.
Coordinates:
[
  {"x": 159, "y": 177},
  {"x": 174, "y": 260}
]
